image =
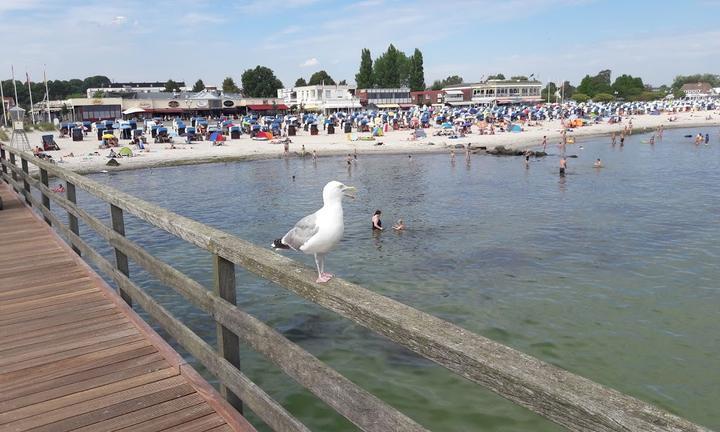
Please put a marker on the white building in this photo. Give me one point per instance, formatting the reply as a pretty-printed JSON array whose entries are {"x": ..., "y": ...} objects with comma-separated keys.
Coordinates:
[
  {"x": 507, "y": 92},
  {"x": 324, "y": 98},
  {"x": 132, "y": 87}
]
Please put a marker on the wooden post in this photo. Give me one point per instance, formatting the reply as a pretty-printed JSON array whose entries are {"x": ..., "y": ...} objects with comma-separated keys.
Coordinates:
[
  {"x": 72, "y": 219},
  {"x": 26, "y": 185},
  {"x": 13, "y": 173},
  {"x": 228, "y": 344},
  {"x": 2, "y": 158},
  {"x": 45, "y": 198},
  {"x": 121, "y": 261}
]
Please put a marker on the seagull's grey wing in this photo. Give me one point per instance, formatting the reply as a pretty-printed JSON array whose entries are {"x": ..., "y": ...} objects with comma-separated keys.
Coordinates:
[{"x": 301, "y": 232}]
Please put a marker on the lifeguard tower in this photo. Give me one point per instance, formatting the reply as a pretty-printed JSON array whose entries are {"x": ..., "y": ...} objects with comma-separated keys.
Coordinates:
[{"x": 19, "y": 138}]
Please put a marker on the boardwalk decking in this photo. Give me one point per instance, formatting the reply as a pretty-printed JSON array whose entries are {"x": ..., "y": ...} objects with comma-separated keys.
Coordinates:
[{"x": 74, "y": 357}]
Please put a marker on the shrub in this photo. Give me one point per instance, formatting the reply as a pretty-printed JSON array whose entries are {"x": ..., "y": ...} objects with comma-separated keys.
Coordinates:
[
  {"x": 580, "y": 97},
  {"x": 45, "y": 127}
]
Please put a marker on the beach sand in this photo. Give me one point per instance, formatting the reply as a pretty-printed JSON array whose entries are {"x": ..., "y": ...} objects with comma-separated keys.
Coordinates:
[{"x": 393, "y": 142}]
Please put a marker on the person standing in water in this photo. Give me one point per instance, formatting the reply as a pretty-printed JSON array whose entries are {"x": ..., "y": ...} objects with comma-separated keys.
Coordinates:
[
  {"x": 622, "y": 139},
  {"x": 563, "y": 166},
  {"x": 376, "y": 222},
  {"x": 613, "y": 139},
  {"x": 544, "y": 143},
  {"x": 314, "y": 156}
]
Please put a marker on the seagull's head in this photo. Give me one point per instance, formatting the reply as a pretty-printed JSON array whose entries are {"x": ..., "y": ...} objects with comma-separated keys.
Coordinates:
[{"x": 334, "y": 191}]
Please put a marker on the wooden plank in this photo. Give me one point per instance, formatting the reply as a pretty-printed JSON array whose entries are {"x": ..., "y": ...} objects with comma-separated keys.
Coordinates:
[
  {"x": 10, "y": 299},
  {"x": 198, "y": 425},
  {"x": 128, "y": 412},
  {"x": 131, "y": 418},
  {"x": 95, "y": 370},
  {"x": 50, "y": 358},
  {"x": 83, "y": 381},
  {"x": 74, "y": 330},
  {"x": 69, "y": 308},
  {"x": 38, "y": 326},
  {"x": 45, "y": 197},
  {"x": 181, "y": 417},
  {"x": 86, "y": 294},
  {"x": 90, "y": 400},
  {"x": 21, "y": 354},
  {"x": 72, "y": 364}
]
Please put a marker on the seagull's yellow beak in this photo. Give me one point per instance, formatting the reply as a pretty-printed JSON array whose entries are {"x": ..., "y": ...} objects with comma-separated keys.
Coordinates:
[{"x": 349, "y": 191}]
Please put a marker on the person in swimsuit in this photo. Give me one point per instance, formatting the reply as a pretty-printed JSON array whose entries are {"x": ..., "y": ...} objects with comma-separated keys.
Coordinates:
[
  {"x": 563, "y": 166},
  {"x": 613, "y": 139},
  {"x": 399, "y": 225},
  {"x": 376, "y": 222},
  {"x": 622, "y": 139},
  {"x": 598, "y": 163}
]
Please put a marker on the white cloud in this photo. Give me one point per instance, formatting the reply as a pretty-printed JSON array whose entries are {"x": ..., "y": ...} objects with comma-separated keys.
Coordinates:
[{"x": 310, "y": 62}]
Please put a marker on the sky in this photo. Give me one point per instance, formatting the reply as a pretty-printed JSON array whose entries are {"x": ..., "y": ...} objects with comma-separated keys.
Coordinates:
[{"x": 141, "y": 40}]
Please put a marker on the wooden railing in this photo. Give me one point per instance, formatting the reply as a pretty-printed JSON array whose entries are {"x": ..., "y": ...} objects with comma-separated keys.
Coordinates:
[{"x": 567, "y": 399}]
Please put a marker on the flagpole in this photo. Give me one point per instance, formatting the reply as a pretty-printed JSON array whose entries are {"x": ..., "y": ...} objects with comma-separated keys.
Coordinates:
[
  {"x": 47, "y": 95},
  {"x": 32, "y": 110},
  {"x": 2, "y": 95},
  {"x": 12, "y": 70}
]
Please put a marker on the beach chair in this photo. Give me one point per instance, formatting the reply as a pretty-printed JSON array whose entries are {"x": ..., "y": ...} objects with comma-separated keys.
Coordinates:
[{"x": 48, "y": 143}]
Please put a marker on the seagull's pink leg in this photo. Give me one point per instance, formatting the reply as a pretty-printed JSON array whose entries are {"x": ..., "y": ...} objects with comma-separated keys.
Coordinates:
[{"x": 322, "y": 279}]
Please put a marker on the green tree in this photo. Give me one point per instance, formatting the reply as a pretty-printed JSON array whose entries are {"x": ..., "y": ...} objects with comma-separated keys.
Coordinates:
[
  {"x": 300, "y": 82},
  {"x": 519, "y": 78},
  {"x": 496, "y": 77},
  {"x": 260, "y": 82},
  {"x": 364, "y": 77},
  {"x": 416, "y": 74},
  {"x": 228, "y": 86},
  {"x": 567, "y": 90},
  {"x": 451, "y": 80},
  {"x": 391, "y": 68},
  {"x": 342, "y": 82},
  {"x": 599, "y": 83},
  {"x": 96, "y": 81},
  {"x": 171, "y": 86},
  {"x": 580, "y": 97},
  {"x": 627, "y": 87},
  {"x": 98, "y": 94},
  {"x": 321, "y": 77},
  {"x": 549, "y": 90},
  {"x": 199, "y": 86},
  {"x": 602, "y": 97}
]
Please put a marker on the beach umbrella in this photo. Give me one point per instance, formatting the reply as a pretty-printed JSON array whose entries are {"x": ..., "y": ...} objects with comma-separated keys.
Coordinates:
[{"x": 133, "y": 111}]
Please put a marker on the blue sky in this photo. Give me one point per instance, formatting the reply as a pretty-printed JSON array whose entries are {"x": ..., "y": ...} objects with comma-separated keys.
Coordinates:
[{"x": 134, "y": 40}]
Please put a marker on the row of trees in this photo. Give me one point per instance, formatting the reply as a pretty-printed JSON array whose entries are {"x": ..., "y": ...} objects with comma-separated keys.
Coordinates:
[
  {"x": 57, "y": 89},
  {"x": 391, "y": 69}
]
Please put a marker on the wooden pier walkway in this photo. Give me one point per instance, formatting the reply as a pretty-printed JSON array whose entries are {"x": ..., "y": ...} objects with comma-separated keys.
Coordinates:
[{"x": 74, "y": 356}]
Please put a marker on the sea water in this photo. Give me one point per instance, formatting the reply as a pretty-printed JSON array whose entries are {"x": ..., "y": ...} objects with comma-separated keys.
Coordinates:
[{"x": 611, "y": 273}]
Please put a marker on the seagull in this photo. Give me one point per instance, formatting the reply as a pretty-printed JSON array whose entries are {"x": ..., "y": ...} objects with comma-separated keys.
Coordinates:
[{"x": 321, "y": 231}]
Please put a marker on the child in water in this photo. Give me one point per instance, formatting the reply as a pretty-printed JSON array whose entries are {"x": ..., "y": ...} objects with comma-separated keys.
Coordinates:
[{"x": 399, "y": 225}]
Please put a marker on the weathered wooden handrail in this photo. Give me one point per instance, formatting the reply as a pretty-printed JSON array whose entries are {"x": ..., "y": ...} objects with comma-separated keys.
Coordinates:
[{"x": 567, "y": 399}]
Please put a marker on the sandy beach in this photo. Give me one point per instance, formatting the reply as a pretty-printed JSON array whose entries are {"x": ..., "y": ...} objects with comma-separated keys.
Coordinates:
[{"x": 84, "y": 159}]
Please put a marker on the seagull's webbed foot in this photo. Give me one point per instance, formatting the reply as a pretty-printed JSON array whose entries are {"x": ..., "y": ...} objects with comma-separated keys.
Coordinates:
[{"x": 324, "y": 278}]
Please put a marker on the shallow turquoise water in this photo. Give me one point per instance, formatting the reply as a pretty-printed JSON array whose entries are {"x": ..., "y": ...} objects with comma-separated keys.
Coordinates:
[{"x": 609, "y": 273}]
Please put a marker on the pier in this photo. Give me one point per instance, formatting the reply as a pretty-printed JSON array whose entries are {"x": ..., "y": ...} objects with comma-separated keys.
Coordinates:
[{"x": 122, "y": 385}]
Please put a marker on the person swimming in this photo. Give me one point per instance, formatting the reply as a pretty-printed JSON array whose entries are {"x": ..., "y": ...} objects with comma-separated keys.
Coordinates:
[
  {"x": 598, "y": 163},
  {"x": 399, "y": 225},
  {"x": 376, "y": 222}
]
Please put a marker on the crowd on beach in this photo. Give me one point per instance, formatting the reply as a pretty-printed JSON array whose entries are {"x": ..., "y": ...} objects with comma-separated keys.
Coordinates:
[{"x": 372, "y": 130}]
